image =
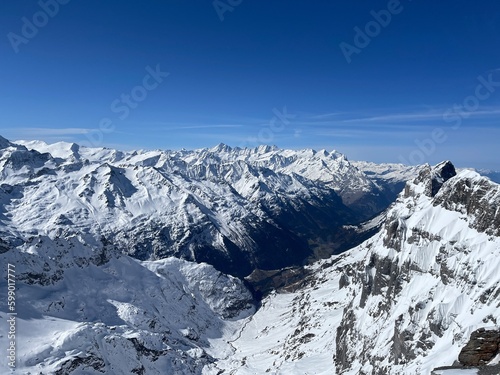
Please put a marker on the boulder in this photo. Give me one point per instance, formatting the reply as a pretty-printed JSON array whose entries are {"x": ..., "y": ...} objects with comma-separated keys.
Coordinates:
[{"x": 482, "y": 347}]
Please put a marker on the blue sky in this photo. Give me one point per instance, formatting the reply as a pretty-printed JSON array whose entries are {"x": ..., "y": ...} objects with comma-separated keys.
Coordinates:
[{"x": 423, "y": 84}]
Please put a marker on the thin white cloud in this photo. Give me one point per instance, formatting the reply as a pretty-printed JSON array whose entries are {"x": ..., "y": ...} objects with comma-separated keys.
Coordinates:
[
  {"x": 187, "y": 125},
  {"x": 327, "y": 115},
  {"x": 399, "y": 117},
  {"x": 382, "y": 132},
  {"x": 204, "y": 127},
  {"x": 48, "y": 131},
  {"x": 422, "y": 116}
]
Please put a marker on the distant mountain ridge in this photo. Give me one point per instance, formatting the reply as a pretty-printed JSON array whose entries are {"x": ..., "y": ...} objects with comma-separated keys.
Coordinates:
[
  {"x": 238, "y": 209},
  {"x": 491, "y": 174}
]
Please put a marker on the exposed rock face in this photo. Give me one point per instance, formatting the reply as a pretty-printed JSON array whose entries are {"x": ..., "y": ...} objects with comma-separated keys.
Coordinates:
[
  {"x": 477, "y": 197},
  {"x": 434, "y": 178},
  {"x": 287, "y": 279},
  {"x": 421, "y": 249},
  {"x": 4, "y": 247},
  {"x": 482, "y": 347}
]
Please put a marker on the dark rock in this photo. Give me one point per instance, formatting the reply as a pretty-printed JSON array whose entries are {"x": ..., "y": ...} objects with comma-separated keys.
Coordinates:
[
  {"x": 343, "y": 358},
  {"x": 477, "y": 198},
  {"x": 395, "y": 233},
  {"x": 344, "y": 281},
  {"x": 262, "y": 282},
  {"x": 82, "y": 363},
  {"x": 4, "y": 246},
  {"x": 402, "y": 352},
  {"x": 441, "y": 173},
  {"x": 42, "y": 278},
  {"x": 482, "y": 347},
  {"x": 433, "y": 178},
  {"x": 382, "y": 277}
]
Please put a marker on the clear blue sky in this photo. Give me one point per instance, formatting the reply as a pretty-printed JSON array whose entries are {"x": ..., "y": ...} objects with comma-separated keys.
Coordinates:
[{"x": 228, "y": 78}]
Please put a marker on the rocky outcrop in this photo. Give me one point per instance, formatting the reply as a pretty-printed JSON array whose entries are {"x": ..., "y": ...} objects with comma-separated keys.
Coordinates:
[
  {"x": 4, "y": 246},
  {"x": 482, "y": 347},
  {"x": 82, "y": 364},
  {"x": 477, "y": 197},
  {"x": 434, "y": 177},
  {"x": 419, "y": 250}
]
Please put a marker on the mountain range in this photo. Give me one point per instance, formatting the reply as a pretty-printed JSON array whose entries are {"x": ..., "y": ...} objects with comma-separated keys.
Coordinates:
[{"x": 243, "y": 261}]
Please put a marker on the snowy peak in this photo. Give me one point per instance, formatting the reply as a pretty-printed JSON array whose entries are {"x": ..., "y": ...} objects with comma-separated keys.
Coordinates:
[
  {"x": 221, "y": 147},
  {"x": 432, "y": 178},
  {"x": 237, "y": 209},
  {"x": 476, "y": 196},
  {"x": 429, "y": 275},
  {"x": 4, "y": 143},
  {"x": 466, "y": 192}
]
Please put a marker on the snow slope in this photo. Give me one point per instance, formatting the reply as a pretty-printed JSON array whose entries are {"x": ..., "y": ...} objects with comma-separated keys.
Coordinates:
[
  {"x": 403, "y": 302},
  {"x": 118, "y": 316}
]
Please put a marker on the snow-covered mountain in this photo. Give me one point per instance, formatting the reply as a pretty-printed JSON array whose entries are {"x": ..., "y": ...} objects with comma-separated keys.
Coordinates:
[
  {"x": 403, "y": 302},
  {"x": 491, "y": 174},
  {"x": 237, "y": 209},
  {"x": 103, "y": 242},
  {"x": 116, "y": 315}
]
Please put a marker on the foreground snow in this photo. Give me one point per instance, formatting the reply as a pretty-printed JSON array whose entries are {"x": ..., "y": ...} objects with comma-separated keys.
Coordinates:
[{"x": 125, "y": 316}]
